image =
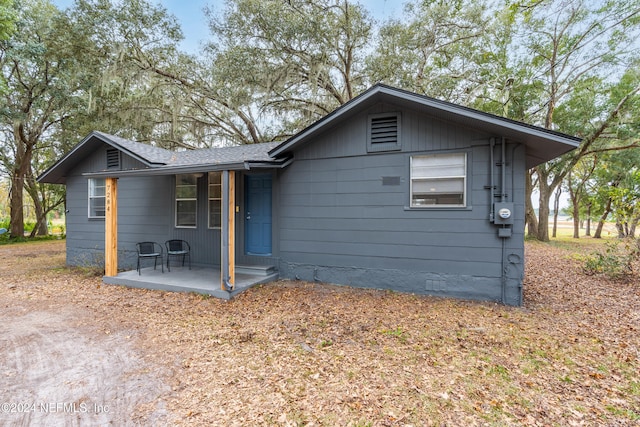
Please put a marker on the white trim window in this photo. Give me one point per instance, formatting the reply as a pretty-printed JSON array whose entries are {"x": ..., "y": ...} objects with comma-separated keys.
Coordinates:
[
  {"x": 186, "y": 200},
  {"x": 439, "y": 180},
  {"x": 97, "y": 196},
  {"x": 215, "y": 199}
]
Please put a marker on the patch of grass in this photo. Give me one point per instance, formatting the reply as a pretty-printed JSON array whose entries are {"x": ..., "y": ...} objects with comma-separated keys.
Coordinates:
[
  {"x": 500, "y": 371},
  {"x": 398, "y": 332},
  {"x": 203, "y": 297},
  {"x": 624, "y": 412},
  {"x": 326, "y": 343},
  {"x": 6, "y": 240},
  {"x": 565, "y": 240},
  {"x": 566, "y": 379},
  {"x": 633, "y": 388}
]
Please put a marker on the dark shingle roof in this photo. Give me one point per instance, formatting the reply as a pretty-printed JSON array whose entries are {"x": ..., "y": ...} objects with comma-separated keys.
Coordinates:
[
  {"x": 158, "y": 160},
  {"x": 224, "y": 155},
  {"x": 152, "y": 155}
]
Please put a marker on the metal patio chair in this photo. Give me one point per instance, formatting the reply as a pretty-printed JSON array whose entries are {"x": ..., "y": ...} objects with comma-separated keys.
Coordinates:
[
  {"x": 178, "y": 248},
  {"x": 148, "y": 250}
]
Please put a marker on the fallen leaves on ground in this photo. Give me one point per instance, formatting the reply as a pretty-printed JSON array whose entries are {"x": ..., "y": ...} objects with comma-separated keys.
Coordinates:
[{"x": 294, "y": 353}]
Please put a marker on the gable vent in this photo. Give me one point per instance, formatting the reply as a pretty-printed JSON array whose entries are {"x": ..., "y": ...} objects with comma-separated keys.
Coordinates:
[
  {"x": 384, "y": 130},
  {"x": 113, "y": 158}
]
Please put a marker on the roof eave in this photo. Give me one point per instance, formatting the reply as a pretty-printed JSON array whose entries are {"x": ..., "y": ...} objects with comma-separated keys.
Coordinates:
[
  {"x": 188, "y": 169},
  {"x": 168, "y": 170},
  {"x": 59, "y": 166},
  {"x": 502, "y": 126}
]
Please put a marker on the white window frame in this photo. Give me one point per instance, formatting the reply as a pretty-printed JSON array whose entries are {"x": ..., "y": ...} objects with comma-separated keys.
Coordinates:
[
  {"x": 439, "y": 177},
  {"x": 93, "y": 185},
  {"x": 212, "y": 187},
  {"x": 186, "y": 199}
]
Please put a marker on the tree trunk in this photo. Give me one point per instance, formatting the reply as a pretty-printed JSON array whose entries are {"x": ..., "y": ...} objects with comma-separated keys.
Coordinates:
[
  {"x": 575, "y": 207},
  {"x": 22, "y": 165},
  {"x": 543, "y": 212},
  {"x": 632, "y": 229},
  {"x": 576, "y": 220},
  {"x": 620, "y": 227},
  {"x": 40, "y": 228},
  {"x": 603, "y": 218},
  {"x": 556, "y": 208},
  {"x": 16, "y": 228},
  {"x": 530, "y": 213},
  {"x": 588, "y": 230}
]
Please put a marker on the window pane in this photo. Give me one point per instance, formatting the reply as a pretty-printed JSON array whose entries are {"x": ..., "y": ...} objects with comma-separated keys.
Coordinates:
[
  {"x": 437, "y": 199},
  {"x": 450, "y": 185},
  {"x": 215, "y": 213},
  {"x": 438, "y": 165},
  {"x": 215, "y": 191},
  {"x": 97, "y": 187},
  {"x": 186, "y": 213},
  {"x": 186, "y": 180},
  {"x": 436, "y": 171},
  {"x": 215, "y": 177},
  {"x": 186, "y": 192},
  {"x": 97, "y": 207}
]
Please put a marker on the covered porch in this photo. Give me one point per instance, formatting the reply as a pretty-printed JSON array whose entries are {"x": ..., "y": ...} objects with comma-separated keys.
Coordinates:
[
  {"x": 201, "y": 280},
  {"x": 224, "y": 280}
]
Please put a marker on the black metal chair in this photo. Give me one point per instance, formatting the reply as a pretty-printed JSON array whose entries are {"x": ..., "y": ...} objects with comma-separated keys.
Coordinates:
[
  {"x": 179, "y": 248},
  {"x": 148, "y": 250}
]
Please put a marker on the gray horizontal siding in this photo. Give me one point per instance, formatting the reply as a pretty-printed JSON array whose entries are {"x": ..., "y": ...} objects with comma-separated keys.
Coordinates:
[
  {"x": 409, "y": 223},
  {"x": 409, "y": 238},
  {"x": 339, "y": 223},
  {"x": 367, "y": 220},
  {"x": 419, "y": 133},
  {"x": 145, "y": 213}
]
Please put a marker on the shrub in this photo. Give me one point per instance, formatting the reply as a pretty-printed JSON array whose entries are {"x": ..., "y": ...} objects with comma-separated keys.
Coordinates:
[{"x": 616, "y": 261}]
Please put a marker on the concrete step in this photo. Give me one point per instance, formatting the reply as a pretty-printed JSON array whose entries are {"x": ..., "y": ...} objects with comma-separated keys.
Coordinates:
[{"x": 256, "y": 270}]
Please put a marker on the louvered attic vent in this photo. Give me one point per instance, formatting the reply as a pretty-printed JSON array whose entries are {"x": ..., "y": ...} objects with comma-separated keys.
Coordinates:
[
  {"x": 113, "y": 158},
  {"x": 384, "y": 132}
]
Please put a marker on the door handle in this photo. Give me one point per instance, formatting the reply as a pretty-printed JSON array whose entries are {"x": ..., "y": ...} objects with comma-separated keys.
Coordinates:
[{"x": 248, "y": 215}]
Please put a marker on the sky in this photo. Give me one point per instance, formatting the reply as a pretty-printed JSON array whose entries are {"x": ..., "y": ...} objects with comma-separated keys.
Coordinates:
[{"x": 191, "y": 17}]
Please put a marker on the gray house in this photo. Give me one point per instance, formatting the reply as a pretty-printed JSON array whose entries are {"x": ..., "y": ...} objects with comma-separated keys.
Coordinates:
[{"x": 392, "y": 190}]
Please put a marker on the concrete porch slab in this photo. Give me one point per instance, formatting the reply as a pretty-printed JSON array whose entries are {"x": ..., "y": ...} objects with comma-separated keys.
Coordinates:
[{"x": 200, "y": 280}]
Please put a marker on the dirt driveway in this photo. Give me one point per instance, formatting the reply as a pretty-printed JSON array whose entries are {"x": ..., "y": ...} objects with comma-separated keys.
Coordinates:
[{"x": 61, "y": 363}]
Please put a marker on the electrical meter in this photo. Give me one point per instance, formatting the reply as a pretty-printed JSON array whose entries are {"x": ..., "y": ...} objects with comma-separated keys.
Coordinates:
[{"x": 503, "y": 213}]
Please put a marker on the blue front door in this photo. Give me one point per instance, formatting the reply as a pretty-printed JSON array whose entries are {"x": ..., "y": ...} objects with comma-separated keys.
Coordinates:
[{"x": 258, "y": 215}]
